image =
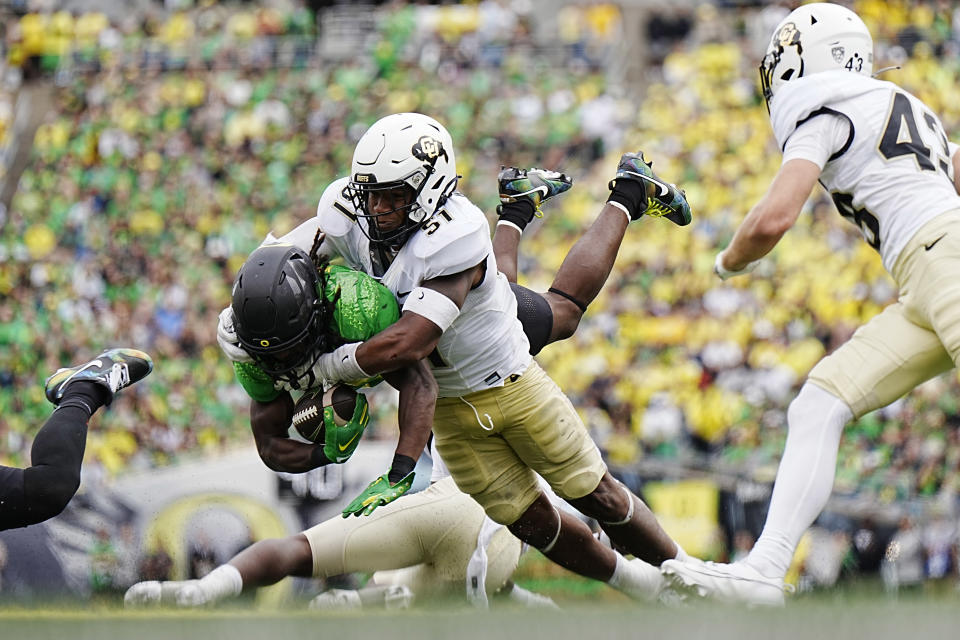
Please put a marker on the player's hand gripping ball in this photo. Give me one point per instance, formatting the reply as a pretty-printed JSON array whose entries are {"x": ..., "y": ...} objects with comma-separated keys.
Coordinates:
[{"x": 334, "y": 418}]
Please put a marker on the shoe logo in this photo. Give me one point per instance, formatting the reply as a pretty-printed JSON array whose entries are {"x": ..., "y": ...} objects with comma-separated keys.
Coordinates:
[
  {"x": 927, "y": 247},
  {"x": 543, "y": 190},
  {"x": 89, "y": 365},
  {"x": 664, "y": 188},
  {"x": 343, "y": 447}
]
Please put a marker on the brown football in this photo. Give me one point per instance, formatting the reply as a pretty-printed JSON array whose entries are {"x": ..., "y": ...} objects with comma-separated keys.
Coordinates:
[{"x": 308, "y": 412}]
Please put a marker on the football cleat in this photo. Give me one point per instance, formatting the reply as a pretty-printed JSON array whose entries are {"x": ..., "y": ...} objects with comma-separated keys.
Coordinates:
[
  {"x": 736, "y": 583},
  {"x": 535, "y": 185},
  {"x": 663, "y": 199},
  {"x": 398, "y": 596},
  {"x": 337, "y": 600},
  {"x": 153, "y": 593},
  {"x": 114, "y": 369}
]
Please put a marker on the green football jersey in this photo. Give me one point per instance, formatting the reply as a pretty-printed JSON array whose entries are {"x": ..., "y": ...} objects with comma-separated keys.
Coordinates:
[{"x": 363, "y": 308}]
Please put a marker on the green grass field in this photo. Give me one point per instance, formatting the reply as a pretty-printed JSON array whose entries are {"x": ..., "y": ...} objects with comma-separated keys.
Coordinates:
[
  {"x": 820, "y": 617},
  {"x": 590, "y": 611}
]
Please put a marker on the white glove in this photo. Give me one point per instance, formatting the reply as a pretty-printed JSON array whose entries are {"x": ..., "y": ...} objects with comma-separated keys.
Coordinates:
[
  {"x": 340, "y": 365},
  {"x": 725, "y": 273},
  {"x": 227, "y": 338}
]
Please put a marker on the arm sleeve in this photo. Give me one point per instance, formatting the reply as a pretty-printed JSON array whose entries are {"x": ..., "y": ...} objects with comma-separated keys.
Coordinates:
[{"x": 255, "y": 382}]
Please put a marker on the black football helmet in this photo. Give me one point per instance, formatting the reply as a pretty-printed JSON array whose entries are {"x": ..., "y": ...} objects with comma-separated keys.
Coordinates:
[{"x": 279, "y": 314}]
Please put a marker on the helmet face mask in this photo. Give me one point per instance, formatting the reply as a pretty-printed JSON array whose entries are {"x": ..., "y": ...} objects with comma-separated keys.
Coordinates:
[
  {"x": 279, "y": 315},
  {"x": 814, "y": 38},
  {"x": 381, "y": 204},
  {"x": 404, "y": 162}
]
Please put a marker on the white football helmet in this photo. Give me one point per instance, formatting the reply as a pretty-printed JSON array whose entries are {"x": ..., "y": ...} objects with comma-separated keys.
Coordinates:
[
  {"x": 814, "y": 38},
  {"x": 403, "y": 150}
]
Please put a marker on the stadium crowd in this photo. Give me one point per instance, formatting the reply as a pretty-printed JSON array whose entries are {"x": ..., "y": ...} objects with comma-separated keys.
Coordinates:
[{"x": 164, "y": 163}]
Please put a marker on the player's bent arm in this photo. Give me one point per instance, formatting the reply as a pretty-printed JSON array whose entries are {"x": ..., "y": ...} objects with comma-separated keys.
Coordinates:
[
  {"x": 418, "y": 395},
  {"x": 773, "y": 216},
  {"x": 269, "y": 422},
  {"x": 413, "y": 337}
]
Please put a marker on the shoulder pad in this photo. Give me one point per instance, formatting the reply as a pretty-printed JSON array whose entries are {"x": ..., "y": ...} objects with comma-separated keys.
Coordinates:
[
  {"x": 799, "y": 99},
  {"x": 335, "y": 211},
  {"x": 460, "y": 240}
]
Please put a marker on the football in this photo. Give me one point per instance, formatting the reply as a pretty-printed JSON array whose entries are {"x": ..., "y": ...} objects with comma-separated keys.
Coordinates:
[{"x": 308, "y": 412}]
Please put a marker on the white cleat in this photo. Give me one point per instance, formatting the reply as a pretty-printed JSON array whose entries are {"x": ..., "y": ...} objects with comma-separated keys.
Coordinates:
[
  {"x": 152, "y": 593},
  {"x": 736, "y": 583},
  {"x": 337, "y": 600},
  {"x": 398, "y": 596},
  {"x": 143, "y": 594}
]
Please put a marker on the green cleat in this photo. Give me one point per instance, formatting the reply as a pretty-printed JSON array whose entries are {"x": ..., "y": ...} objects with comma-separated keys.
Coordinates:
[
  {"x": 114, "y": 369},
  {"x": 663, "y": 199},
  {"x": 535, "y": 185}
]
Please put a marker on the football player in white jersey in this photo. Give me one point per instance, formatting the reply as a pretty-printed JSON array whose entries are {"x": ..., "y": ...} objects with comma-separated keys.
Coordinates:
[
  {"x": 428, "y": 543},
  {"x": 884, "y": 157},
  {"x": 500, "y": 420}
]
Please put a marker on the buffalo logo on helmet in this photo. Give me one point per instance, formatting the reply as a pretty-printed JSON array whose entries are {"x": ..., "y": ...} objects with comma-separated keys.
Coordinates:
[
  {"x": 428, "y": 149},
  {"x": 787, "y": 35}
]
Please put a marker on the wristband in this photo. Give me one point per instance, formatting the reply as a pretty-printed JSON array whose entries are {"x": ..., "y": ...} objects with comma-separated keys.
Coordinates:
[
  {"x": 725, "y": 273},
  {"x": 401, "y": 468},
  {"x": 343, "y": 363}
]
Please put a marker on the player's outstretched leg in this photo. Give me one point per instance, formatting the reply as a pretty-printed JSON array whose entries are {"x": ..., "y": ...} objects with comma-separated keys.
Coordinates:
[
  {"x": 42, "y": 491},
  {"x": 815, "y": 422},
  {"x": 569, "y": 542},
  {"x": 522, "y": 192},
  {"x": 635, "y": 191},
  {"x": 261, "y": 564}
]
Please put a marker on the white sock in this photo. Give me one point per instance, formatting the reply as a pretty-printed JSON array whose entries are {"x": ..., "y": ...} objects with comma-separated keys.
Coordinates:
[
  {"x": 682, "y": 555},
  {"x": 222, "y": 582},
  {"x": 636, "y": 578},
  {"x": 530, "y": 599},
  {"x": 815, "y": 422}
]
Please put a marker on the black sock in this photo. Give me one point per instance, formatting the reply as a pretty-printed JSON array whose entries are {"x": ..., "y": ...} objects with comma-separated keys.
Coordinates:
[
  {"x": 519, "y": 213},
  {"x": 85, "y": 394},
  {"x": 630, "y": 194}
]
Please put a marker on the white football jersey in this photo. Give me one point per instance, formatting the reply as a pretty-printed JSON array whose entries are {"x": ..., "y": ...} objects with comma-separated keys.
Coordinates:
[
  {"x": 485, "y": 344},
  {"x": 890, "y": 171}
]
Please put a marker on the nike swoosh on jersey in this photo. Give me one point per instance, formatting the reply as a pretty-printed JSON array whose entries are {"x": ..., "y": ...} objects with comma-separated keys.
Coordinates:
[
  {"x": 927, "y": 247},
  {"x": 403, "y": 294}
]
